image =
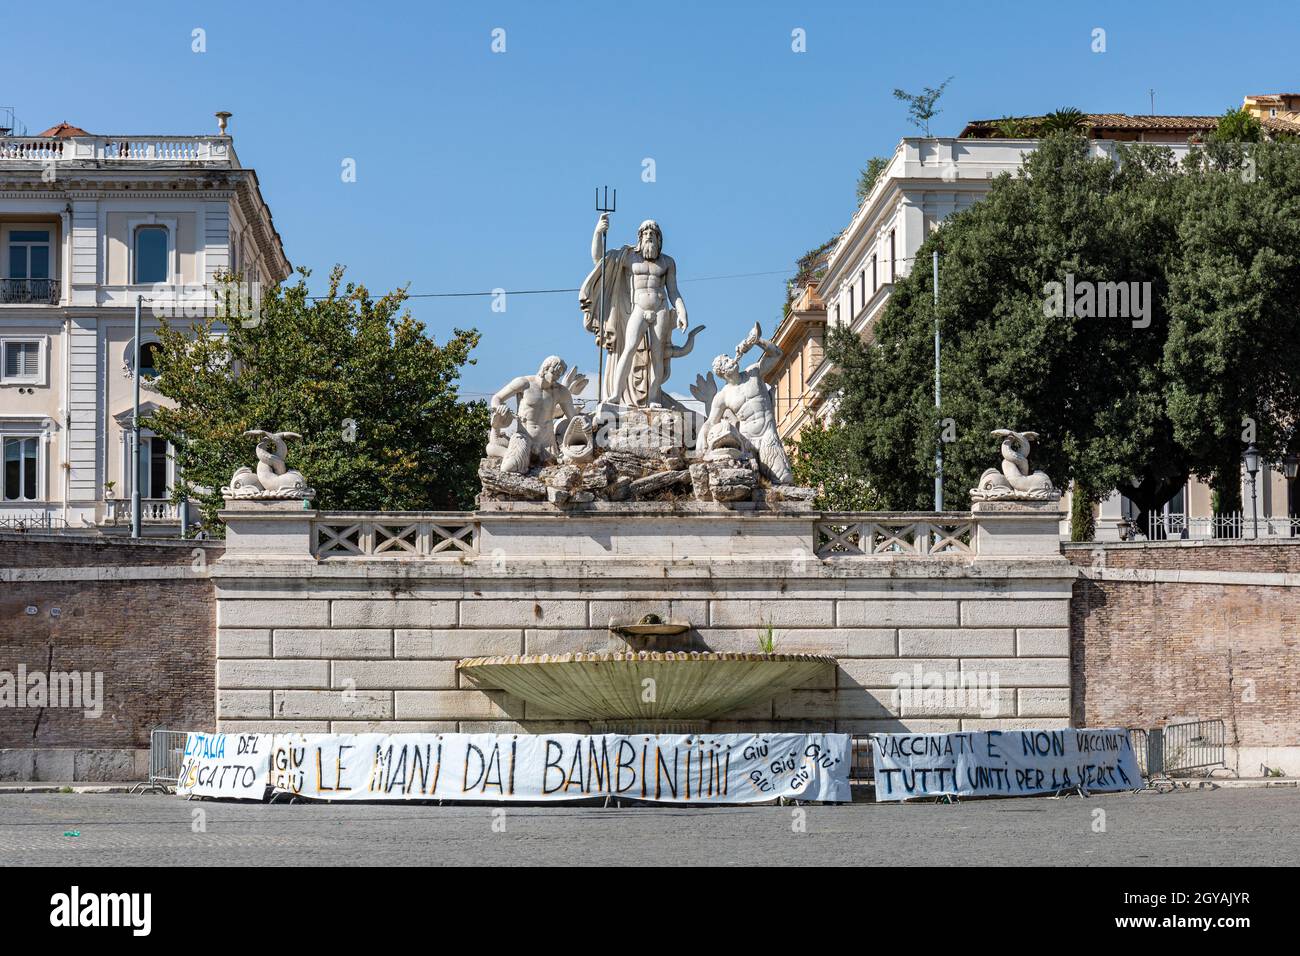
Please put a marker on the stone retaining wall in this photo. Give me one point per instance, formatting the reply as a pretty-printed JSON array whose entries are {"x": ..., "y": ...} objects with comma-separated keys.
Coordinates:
[{"x": 363, "y": 643}]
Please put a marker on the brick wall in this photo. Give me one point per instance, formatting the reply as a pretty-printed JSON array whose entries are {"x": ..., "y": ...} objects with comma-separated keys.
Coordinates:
[
  {"x": 27, "y": 550},
  {"x": 1174, "y": 630},
  {"x": 141, "y": 615},
  {"x": 1277, "y": 555}
]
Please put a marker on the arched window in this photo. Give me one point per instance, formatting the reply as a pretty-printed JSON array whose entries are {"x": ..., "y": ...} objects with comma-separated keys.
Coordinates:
[
  {"x": 149, "y": 353},
  {"x": 151, "y": 255}
]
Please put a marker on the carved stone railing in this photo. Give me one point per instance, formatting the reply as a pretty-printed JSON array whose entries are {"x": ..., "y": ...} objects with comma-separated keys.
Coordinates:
[
  {"x": 906, "y": 534},
  {"x": 394, "y": 534},
  {"x": 152, "y": 510},
  {"x": 117, "y": 149}
]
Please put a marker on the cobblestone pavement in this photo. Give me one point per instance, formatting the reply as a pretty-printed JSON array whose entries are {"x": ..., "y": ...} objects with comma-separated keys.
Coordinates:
[{"x": 1219, "y": 827}]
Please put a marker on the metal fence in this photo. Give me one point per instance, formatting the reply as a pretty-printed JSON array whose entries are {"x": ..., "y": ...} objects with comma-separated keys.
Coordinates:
[
  {"x": 1235, "y": 524},
  {"x": 1199, "y": 745},
  {"x": 860, "y": 766},
  {"x": 1141, "y": 741},
  {"x": 166, "y": 752},
  {"x": 30, "y": 521}
]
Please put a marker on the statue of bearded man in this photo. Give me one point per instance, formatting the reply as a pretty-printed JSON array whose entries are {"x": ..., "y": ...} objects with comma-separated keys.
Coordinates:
[{"x": 642, "y": 304}]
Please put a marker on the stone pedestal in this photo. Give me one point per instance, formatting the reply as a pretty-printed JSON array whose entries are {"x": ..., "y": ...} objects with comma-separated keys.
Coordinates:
[
  {"x": 1018, "y": 529},
  {"x": 268, "y": 529}
]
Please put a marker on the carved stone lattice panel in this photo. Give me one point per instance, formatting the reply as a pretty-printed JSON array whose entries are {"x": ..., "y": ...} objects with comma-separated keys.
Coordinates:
[
  {"x": 903, "y": 537},
  {"x": 397, "y": 536}
]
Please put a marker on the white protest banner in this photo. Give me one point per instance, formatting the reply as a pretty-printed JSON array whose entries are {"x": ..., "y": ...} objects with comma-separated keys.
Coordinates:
[
  {"x": 234, "y": 766},
  {"x": 1003, "y": 763},
  {"x": 669, "y": 768}
]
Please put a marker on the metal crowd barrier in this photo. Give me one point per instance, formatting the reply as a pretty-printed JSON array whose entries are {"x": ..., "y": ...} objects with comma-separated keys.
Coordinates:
[
  {"x": 1180, "y": 749},
  {"x": 166, "y": 751},
  {"x": 860, "y": 768},
  {"x": 1199, "y": 745},
  {"x": 1140, "y": 739}
]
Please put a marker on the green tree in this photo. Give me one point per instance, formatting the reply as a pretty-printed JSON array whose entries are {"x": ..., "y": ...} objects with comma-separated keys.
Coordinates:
[
  {"x": 1234, "y": 321},
  {"x": 1015, "y": 127},
  {"x": 822, "y": 460},
  {"x": 869, "y": 174},
  {"x": 1136, "y": 403},
  {"x": 1092, "y": 387},
  {"x": 372, "y": 395},
  {"x": 921, "y": 107},
  {"x": 1065, "y": 120},
  {"x": 1238, "y": 126}
]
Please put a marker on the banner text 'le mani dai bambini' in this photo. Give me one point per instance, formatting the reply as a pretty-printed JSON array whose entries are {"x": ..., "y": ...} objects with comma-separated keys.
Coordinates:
[
  {"x": 669, "y": 768},
  {"x": 998, "y": 763}
]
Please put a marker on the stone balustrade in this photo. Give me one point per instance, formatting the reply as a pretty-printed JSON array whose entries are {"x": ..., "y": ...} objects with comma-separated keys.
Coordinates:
[
  {"x": 826, "y": 535},
  {"x": 117, "y": 149}
]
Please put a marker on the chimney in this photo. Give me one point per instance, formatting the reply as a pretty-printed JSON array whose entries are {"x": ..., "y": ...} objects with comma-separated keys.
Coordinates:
[{"x": 222, "y": 118}]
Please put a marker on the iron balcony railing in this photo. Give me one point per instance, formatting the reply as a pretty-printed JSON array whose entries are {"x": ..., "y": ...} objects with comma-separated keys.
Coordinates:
[{"x": 29, "y": 291}]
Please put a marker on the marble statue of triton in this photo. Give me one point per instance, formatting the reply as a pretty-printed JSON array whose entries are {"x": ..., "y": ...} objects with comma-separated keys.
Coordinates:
[
  {"x": 542, "y": 398},
  {"x": 744, "y": 401}
]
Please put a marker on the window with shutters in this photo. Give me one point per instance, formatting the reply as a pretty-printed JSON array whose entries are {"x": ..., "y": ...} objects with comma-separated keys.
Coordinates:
[{"x": 22, "y": 361}]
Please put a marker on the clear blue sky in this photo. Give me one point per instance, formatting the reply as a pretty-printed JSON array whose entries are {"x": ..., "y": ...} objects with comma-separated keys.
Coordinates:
[{"x": 476, "y": 170}]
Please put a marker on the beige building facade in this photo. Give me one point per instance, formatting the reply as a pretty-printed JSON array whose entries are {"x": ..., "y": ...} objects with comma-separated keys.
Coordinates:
[
  {"x": 88, "y": 224},
  {"x": 801, "y": 337}
]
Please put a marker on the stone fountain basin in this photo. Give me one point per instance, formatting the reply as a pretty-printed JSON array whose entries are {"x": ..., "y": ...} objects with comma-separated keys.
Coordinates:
[{"x": 688, "y": 685}]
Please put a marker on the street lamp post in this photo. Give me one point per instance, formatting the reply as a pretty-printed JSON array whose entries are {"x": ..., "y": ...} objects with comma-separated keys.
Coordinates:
[
  {"x": 938, "y": 407},
  {"x": 1251, "y": 459}
]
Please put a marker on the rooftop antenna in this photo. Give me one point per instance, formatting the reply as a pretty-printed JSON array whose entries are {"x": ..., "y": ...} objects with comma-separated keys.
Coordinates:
[
  {"x": 10, "y": 124},
  {"x": 1153, "y": 101},
  {"x": 604, "y": 205}
]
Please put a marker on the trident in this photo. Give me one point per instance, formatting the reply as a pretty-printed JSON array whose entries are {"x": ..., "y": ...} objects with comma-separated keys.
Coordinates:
[{"x": 603, "y": 205}]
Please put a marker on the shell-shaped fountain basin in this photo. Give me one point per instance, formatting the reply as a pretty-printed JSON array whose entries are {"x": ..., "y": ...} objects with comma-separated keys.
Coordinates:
[{"x": 687, "y": 685}]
